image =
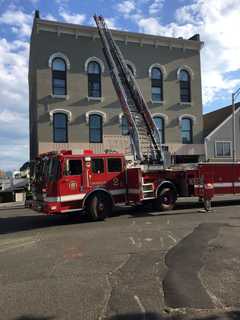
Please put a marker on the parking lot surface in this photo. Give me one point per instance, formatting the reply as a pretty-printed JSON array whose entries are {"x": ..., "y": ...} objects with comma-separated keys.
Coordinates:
[{"x": 138, "y": 264}]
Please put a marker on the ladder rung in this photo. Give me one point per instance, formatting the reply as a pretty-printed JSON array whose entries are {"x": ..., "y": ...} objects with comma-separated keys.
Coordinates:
[{"x": 131, "y": 91}]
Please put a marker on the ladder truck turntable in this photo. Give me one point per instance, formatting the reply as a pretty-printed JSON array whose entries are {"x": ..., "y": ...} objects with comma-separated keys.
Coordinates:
[{"x": 65, "y": 182}]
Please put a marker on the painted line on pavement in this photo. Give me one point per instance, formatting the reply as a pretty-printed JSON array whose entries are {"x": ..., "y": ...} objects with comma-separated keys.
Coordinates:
[
  {"x": 140, "y": 304},
  {"x": 16, "y": 243},
  {"x": 132, "y": 240},
  {"x": 172, "y": 238}
]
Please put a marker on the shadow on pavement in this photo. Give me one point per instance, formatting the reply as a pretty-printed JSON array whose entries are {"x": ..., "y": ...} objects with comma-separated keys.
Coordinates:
[
  {"x": 30, "y": 222},
  {"x": 26, "y": 222},
  {"x": 34, "y": 318},
  {"x": 231, "y": 315},
  {"x": 137, "y": 316},
  {"x": 146, "y": 211},
  {"x": 215, "y": 204},
  {"x": 17, "y": 223}
]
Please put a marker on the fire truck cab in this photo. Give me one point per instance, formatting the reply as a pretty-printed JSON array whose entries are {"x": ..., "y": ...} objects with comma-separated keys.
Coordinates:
[{"x": 64, "y": 182}]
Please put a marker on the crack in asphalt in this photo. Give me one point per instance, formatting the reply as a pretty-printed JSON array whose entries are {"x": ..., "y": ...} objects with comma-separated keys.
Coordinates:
[
  {"x": 109, "y": 291},
  {"x": 182, "y": 286},
  {"x": 134, "y": 287}
]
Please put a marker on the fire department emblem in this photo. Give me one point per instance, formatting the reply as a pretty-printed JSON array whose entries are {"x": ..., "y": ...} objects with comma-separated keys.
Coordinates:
[
  {"x": 73, "y": 185},
  {"x": 115, "y": 181}
]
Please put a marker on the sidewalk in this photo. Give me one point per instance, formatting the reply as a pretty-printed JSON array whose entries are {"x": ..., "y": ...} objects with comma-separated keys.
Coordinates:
[{"x": 12, "y": 205}]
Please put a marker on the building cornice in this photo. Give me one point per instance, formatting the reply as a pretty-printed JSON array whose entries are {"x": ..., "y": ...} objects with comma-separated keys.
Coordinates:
[{"x": 126, "y": 37}]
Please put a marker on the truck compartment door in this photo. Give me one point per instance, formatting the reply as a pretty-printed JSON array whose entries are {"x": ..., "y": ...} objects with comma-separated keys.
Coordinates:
[{"x": 134, "y": 184}]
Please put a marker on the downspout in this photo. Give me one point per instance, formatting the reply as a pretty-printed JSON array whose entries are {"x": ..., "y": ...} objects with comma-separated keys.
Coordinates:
[{"x": 206, "y": 150}]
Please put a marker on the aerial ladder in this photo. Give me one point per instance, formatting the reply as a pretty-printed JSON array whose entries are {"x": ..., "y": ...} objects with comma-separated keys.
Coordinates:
[{"x": 145, "y": 139}]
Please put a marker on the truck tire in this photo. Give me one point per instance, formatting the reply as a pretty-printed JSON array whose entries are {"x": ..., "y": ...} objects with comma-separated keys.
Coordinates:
[
  {"x": 166, "y": 200},
  {"x": 99, "y": 206}
]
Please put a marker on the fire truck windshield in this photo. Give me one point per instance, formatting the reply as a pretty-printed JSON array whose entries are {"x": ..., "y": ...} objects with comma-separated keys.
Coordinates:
[
  {"x": 53, "y": 169},
  {"x": 46, "y": 168}
]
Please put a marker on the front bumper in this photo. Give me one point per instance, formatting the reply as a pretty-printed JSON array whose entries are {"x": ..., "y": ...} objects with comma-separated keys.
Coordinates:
[{"x": 46, "y": 207}]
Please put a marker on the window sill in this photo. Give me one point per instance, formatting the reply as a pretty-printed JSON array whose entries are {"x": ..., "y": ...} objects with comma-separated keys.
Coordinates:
[
  {"x": 66, "y": 142},
  {"x": 101, "y": 99},
  {"x": 189, "y": 104},
  {"x": 95, "y": 142},
  {"x": 223, "y": 157},
  {"x": 157, "y": 102},
  {"x": 59, "y": 96}
]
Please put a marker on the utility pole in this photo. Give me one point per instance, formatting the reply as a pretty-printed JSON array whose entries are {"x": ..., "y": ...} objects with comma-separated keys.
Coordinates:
[{"x": 234, "y": 95}]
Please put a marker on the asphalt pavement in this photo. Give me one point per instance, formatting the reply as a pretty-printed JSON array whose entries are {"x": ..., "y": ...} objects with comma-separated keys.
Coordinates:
[{"x": 138, "y": 264}]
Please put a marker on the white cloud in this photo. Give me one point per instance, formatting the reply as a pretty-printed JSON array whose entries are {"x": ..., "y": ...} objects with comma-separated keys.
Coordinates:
[
  {"x": 61, "y": 2},
  {"x": 49, "y": 17},
  {"x": 13, "y": 155},
  {"x": 13, "y": 75},
  {"x": 111, "y": 23},
  {"x": 75, "y": 18},
  {"x": 14, "y": 103},
  {"x": 20, "y": 22},
  {"x": 13, "y": 139},
  {"x": 126, "y": 7},
  {"x": 152, "y": 25},
  {"x": 216, "y": 21},
  {"x": 156, "y": 7}
]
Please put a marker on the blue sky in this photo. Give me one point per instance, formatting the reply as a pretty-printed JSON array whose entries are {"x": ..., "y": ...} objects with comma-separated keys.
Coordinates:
[{"x": 215, "y": 20}]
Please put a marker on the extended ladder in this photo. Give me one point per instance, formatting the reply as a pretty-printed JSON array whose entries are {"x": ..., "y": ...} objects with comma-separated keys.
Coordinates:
[{"x": 144, "y": 135}]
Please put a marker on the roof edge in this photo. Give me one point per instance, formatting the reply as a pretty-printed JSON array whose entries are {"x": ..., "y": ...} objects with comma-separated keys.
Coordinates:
[
  {"x": 126, "y": 36},
  {"x": 221, "y": 124}
]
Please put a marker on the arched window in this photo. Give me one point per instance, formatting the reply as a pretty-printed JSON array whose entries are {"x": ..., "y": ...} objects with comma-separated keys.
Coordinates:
[
  {"x": 60, "y": 128},
  {"x": 95, "y": 128},
  {"x": 94, "y": 80},
  {"x": 157, "y": 84},
  {"x": 124, "y": 123},
  {"x": 185, "y": 86},
  {"x": 160, "y": 124},
  {"x": 186, "y": 130},
  {"x": 59, "y": 77}
]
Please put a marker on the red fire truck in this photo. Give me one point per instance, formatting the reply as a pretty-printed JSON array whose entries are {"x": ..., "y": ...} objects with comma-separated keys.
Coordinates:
[{"x": 65, "y": 182}]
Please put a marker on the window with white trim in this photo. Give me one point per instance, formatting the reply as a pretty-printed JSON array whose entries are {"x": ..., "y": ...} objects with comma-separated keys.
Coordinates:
[
  {"x": 59, "y": 77},
  {"x": 60, "y": 128},
  {"x": 94, "y": 80},
  {"x": 160, "y": 124},
  {"x": 95, "y": 128},
  {"x": 223, "y": 149},
  {"x": 185, "y": 86},
  {"x": 157, "y": 84},
  {"x": 187, "y": 130}
]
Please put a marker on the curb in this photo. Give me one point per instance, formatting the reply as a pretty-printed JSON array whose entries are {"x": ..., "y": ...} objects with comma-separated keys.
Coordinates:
[{"x": 12, "y": 205}]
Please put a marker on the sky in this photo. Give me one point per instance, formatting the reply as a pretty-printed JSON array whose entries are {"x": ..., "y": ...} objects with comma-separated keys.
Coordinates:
[{"x": 216, "y": 21}]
